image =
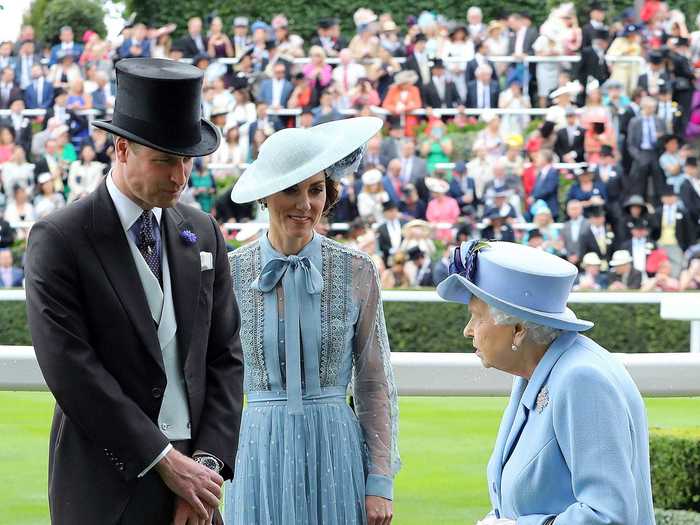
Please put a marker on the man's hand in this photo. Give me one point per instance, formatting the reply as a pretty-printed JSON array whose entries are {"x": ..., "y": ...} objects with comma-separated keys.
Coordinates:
[
  {"x": 199, "y": 486},
  {"x": 185, "y": 515},
  {"x": 379, "y": 510}
]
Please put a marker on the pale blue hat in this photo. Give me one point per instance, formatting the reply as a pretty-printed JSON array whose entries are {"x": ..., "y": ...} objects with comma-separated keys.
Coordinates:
[{"x": 530, "y": 284}]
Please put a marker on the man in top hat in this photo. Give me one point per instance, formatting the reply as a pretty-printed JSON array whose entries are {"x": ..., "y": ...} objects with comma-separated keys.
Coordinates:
[
  {"x": 440, "y": 92},
  {"x": 496, "y": 228},
  {"x": 656, "y": 76},
  {"x": 670, "y": 112},
  {"x": 595, "y": 25},
  {"x": 463, "y": 188},
  {"x": 598, "y": 237},
  {"x": 9, "y": 91},
  {"x": 134, "y": 322},
  {"x": 328, "y": 37},
  {"x": 682, "y": 76},
  {"x": 569, "y": 143},
  {"x": 623, "y": 276},
  {"x": 690, "y": 191},
  {"x": 418, "y": 61},
  {"x": 640, "y": 245},
  {"x": 593, "y": 63},
  {"x": 420, "y": 268},
  {"x": 389, "y": 233}
]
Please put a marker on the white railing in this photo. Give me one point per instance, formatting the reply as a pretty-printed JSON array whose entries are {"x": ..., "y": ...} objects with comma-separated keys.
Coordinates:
[
  {"x": 433, "y": 374},
  {"x": 683, "y": 306}
]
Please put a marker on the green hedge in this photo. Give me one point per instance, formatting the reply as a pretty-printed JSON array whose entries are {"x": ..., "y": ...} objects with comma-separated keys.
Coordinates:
[
  {"x": 425, "y": 327},
  {"x": 676, "y": 517},
  {"x": 303, "y": 19},
  {"x": 675, "y": 468},
  {"x": 437, "y": 327}
]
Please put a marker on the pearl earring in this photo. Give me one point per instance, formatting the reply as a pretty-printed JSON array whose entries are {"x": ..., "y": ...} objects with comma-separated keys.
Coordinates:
[{"x": 514, "y": 347}]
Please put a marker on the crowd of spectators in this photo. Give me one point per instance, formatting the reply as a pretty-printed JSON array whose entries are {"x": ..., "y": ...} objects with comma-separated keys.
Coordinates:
[{"x": 605, "y": 174}]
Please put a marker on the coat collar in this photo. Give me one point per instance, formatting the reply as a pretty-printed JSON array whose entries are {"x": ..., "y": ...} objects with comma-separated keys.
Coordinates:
[{"x": 107, "y": 233}]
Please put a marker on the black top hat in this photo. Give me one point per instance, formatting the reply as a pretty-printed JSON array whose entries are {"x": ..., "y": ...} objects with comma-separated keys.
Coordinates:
[
  {"x": 672, "y": 136},
  {"x": 459, "y": 27},
  {"x": 595, "y": 211},
  {"x": 656, "y": 57},
  {"x": 438, "y": 63},
  {"x": 597, "y": 6},
  {"x": 606, "y": 151},
  {"x": 640, "y": 224},
  {"x": 492, "y": 214},
  {"x": 534, "y": 234},
  {"x": 420, "y": 37},
  {"x": 327, "y": 23},
  {"x": 389, "y": 205},
  {"x": 691, "y": 161},
  {"x": 158, "y": 104},
  {"x": 601, "y": 34},
  {"x": 415, "y": 253},
  {"x": 667, "y": 190}
]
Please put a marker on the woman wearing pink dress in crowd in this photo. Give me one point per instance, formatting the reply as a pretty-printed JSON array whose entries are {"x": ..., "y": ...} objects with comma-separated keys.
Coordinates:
[{"x": 442, "y": 209}]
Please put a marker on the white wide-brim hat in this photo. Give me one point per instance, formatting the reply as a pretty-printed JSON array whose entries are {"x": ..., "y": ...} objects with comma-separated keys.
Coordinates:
[
  {"x": 373, "y": 176},
  {"x": 527, "y": 283},
  {"x": 292, "y": 155},
  {"x": 436, "y": 185},
  {"x": 621, "y": 257}
]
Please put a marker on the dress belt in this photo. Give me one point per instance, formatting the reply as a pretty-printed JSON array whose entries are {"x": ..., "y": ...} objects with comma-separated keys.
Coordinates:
[{"x": 330, "y": 394}]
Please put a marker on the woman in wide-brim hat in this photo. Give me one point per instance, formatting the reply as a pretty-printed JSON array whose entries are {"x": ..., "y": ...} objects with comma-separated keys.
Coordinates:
[
  {"x": 573, "y": 443},
  {"x": 312, "y": 321}
]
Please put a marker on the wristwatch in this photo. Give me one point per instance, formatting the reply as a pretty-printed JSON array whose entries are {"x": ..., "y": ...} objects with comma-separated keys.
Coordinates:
[{"x": 210, "y": 462}]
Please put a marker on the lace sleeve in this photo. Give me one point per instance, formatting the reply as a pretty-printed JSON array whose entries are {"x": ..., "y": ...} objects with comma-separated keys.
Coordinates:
[{"x": 376, "y": 400}]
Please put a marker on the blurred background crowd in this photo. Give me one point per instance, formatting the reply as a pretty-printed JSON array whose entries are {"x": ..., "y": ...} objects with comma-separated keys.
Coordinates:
[{"x": 580, "y": 137}]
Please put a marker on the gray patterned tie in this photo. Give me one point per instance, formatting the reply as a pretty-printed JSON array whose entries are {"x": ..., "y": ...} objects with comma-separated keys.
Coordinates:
[{"x": 147, "y": 244}]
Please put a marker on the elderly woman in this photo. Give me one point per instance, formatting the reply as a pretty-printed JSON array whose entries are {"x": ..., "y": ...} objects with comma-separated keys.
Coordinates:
[
  {"x": 313, "y": 321},
  {"x": 573, "y": 444}
]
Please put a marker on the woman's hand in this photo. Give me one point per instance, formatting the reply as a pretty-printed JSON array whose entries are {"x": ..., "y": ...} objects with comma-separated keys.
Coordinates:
[{"x": 379, "y": 510}]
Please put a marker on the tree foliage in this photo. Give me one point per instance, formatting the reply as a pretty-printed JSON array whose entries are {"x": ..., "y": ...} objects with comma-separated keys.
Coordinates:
[{"x": 48, "y": 16}]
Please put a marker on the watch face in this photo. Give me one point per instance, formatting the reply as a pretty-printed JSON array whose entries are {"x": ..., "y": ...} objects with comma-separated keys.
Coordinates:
[{"x": 210, "y": 463}]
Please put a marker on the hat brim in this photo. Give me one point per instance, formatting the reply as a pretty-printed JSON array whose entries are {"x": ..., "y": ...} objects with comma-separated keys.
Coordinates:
[
  {"x": 208, "y": 144},
  {"x": 615, "y": 264},
  {"x": 460, "y": 290},
  {"x": 340, "y": 139}
]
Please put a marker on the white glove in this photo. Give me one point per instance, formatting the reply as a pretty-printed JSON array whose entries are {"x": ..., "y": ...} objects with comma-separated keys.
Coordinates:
[{"x": 493, "y": 520}]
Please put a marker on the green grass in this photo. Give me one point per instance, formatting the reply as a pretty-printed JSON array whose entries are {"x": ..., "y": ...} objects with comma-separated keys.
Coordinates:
[{"x": 445, "y": 444}]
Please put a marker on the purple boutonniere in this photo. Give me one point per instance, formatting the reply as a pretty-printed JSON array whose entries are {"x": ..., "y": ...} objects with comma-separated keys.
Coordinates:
[
  {"x": 188, "y": 237},
  {"x": 465, "y": 259}
]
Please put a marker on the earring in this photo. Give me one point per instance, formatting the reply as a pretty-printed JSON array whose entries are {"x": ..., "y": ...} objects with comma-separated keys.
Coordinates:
[{"x": 514, "y": 347}]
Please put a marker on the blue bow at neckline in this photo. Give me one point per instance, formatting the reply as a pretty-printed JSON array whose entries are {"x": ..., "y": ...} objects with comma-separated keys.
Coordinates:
[{"x": 301, "y": 280}]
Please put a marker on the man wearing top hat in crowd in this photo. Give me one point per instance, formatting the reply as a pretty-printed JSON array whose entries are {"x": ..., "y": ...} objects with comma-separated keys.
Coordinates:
[
  {"x": 389, "y": 233},
  {"x": 670, "y": 112},
  {"x": 656, "y": 75},
  {"x": 594, "y": 26},
  {"x": 682, "y": 75},
  {"x": 640, "y": 245},
  {"x": 440, "y": 92},
  {"x": 593, "y": 63},
  {"x": 328, "y": 37},
  {"x": 496, "y": 228},
  {"x": 690, "y": 191},
  {"x": 597, "y": 237},
  {"x": 420, "y": 269},
  {"x": 134, "y": 322},
  {"x": 569, "y": 143}
]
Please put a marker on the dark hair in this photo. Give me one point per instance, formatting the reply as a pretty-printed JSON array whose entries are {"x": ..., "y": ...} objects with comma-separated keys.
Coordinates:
[{"x": 332, "y": 195}]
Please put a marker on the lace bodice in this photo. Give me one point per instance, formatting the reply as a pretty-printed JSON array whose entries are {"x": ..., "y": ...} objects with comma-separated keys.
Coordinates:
[{"x": 353, "y": 340}]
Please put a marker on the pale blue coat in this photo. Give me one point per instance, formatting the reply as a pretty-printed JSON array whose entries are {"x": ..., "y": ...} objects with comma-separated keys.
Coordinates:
[{"x": 582, "y": 452}]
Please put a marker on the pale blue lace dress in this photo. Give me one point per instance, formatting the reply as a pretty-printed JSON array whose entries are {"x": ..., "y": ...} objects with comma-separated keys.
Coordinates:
[{"x": 309, "y": 325}]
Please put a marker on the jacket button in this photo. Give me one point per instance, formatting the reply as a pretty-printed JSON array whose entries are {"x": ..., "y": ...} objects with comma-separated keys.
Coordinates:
[{"x": 157, "y": 392}]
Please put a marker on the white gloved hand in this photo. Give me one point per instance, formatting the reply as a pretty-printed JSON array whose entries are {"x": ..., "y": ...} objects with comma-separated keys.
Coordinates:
[{"x": 493, "y": 520}]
